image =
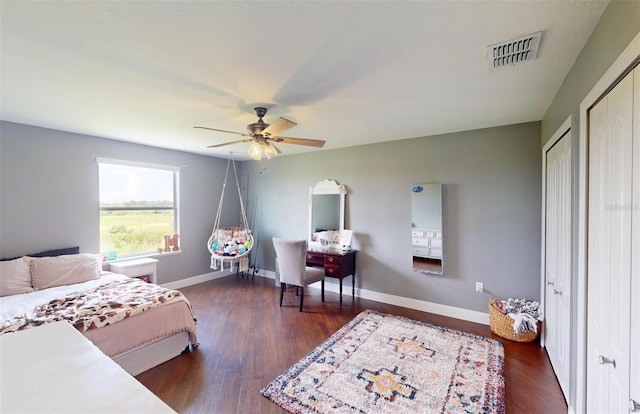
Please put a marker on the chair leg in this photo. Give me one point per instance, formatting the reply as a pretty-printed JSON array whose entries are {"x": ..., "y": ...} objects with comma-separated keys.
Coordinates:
[
  {"x": 301, "y": 297},
  {"x": 283, "y": 287},
  {"x": 322, "y": 289}
]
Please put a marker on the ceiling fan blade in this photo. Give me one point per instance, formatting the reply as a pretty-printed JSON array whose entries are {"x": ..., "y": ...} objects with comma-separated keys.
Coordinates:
[
  {"x": 222, "y": 130},
  {"x": 300, "y": 141},
  {"x": 279, "y": 125},
  {"x": 230, "y": 143}
]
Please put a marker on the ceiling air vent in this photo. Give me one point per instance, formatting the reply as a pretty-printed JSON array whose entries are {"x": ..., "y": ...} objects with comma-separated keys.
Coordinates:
[{"x": 514, "y": 51}]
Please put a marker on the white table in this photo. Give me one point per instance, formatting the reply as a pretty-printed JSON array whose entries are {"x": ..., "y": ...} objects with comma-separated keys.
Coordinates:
[{"x": 144, "y": 268}]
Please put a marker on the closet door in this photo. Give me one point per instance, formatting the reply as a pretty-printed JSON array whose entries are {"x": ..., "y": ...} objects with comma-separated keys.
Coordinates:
[
  {"x": 609, "y": 251},
  {"x": 635, "y": 250},
  {"x": 558, "y": 258}
]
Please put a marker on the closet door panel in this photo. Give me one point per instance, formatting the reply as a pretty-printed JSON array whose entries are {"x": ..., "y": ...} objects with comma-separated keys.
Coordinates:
[
  {"x": 609, "y": 263},
  {"x": 558, "y": 258},
  {"x": 563, "y": 294},
  {"x": 620, "y": 114},
  {"x": 597, "y": 394},
  {"x": 634, "y": 362}
]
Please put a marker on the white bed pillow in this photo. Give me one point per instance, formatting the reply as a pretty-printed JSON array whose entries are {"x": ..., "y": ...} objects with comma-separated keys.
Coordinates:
[
  {"x": 48, "y": 272},
  {"x": 15, "y": 277}
]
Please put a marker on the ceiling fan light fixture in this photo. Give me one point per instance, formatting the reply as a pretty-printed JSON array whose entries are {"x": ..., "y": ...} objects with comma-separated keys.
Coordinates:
[
  {"x": 255, "y": 151},
  {"x": 270, "y": 150},
  {"x": 261, "y": 135}
]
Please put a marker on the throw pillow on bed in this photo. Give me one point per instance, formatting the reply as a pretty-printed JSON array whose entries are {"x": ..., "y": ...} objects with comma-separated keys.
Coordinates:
[
  {"x": 54, "y": 252},
  {"x": 48, "y": 272},
  {"x": 15, "y": 277}
]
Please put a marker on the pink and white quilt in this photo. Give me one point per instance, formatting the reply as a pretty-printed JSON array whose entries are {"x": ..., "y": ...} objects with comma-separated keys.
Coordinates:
[{"x": 99, "y": 306}]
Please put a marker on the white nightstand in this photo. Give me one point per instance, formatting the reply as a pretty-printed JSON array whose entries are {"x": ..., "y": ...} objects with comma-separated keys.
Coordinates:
[{"x": 144, "y": 269}]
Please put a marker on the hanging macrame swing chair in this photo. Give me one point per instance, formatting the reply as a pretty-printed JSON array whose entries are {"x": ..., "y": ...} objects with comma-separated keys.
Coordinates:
[{"x": 230, "y": 245}]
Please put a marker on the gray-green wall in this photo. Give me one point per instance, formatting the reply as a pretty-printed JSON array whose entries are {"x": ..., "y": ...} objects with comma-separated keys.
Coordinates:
[
  {"x": 491, "y": 197},
  {"x": 619, "y": 24},
  {"x": 491, "y": 206},
  {"x": 49, "y": 195}
]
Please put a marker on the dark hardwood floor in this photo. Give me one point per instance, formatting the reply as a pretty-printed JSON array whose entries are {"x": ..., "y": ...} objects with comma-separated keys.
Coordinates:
[
  {"x": 246, "y": 340},
  {"x": 422, "y": 264}
]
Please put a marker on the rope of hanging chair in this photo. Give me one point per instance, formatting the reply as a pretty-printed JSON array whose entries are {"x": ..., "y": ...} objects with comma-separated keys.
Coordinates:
[
  {"x": 215, "y": 255},
  {"x": 245, "y": 223},
  {"x": 216, "y": 223}
]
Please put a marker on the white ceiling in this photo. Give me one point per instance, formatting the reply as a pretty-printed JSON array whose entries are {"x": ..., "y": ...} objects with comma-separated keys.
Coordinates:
[{"x": 350, "y": 73}]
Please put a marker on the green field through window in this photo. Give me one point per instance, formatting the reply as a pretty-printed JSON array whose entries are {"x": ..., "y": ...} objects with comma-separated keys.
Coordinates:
[
  {"x": 138, "y": 207},
  {"x": 134, "y": 232}
]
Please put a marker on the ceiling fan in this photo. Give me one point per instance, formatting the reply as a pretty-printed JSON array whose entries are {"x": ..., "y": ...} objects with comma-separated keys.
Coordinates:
[{"x": 262, "y": 136}]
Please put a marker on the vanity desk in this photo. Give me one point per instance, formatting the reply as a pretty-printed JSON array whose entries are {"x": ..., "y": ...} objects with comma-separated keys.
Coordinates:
[
  {"x": 336, "y": 263},
  {"x": 329, "y": 242}
]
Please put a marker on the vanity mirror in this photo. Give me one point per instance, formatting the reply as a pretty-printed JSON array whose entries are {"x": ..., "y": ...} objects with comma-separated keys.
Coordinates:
[
  {"x": 426, "y": 228},
  {"x": 326, "y": 214}
]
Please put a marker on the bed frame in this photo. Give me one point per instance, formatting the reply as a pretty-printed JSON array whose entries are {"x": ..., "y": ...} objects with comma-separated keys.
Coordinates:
[{"x": 148, "y": 356}]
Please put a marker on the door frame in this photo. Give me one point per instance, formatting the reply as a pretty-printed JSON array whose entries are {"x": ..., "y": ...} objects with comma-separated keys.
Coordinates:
[
  {"x": 564, "y": 129},
  {"x": 610, "y": 78}
]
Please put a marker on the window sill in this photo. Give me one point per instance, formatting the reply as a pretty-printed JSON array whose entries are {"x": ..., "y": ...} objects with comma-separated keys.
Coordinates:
[{"x": 141, "y": 256}]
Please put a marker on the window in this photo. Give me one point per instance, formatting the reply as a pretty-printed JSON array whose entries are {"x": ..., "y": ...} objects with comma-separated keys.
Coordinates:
[{"x": 138, "y": 207}]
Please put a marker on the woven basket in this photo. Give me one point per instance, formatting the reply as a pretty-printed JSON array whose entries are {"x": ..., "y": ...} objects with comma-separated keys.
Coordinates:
[{"x": 502, "y": 325}]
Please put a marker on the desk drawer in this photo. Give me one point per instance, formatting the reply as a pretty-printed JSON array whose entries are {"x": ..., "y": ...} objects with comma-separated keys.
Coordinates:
[
  {"x": 333, "y": 266},
  {"x": 332, "y": 260},
  {"x": 332, "y": 270},
  {"x": 315, "y": 258}
]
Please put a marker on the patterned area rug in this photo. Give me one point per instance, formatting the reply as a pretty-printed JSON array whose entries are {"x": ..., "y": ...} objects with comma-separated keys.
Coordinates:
[{"x": 380, "y": 363}]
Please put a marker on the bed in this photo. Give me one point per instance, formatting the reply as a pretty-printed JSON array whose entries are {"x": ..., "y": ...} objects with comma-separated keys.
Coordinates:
[
  {"x": 138, "y": 325},
  {"x": 72, "y": 376}
]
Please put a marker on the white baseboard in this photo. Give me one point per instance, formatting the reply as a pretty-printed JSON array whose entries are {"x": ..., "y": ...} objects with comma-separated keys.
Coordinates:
[
  {"x": 197, "y": 279},
  {"x": 421, "y": 305}
]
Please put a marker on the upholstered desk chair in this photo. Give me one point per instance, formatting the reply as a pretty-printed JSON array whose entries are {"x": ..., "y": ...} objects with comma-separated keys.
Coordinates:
[{"x": 293, "y": 267}]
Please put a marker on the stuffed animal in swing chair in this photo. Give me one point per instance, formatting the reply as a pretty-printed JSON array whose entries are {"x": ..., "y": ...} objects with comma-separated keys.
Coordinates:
[{"x": 230, "y": 248}]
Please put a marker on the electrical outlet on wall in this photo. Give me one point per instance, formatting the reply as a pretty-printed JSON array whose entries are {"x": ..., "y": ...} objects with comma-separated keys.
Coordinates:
[{"x": 479, "y": 287}]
